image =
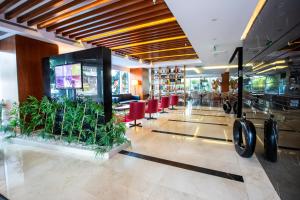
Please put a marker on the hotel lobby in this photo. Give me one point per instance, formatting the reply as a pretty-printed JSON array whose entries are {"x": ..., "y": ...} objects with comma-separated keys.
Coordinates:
[{"x": 149, "y": 99}]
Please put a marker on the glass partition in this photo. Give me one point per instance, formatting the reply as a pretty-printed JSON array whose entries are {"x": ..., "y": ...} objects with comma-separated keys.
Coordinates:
[{"x": 120, "y": 82}]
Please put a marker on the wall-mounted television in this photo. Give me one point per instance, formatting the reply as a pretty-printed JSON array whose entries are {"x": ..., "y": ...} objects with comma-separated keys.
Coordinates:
[{"x": 68, "y": 76}]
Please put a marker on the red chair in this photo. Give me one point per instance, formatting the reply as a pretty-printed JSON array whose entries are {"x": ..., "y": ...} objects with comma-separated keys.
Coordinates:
[
  {"x": 164, "y": 103},
  {"x": 136, "y": 111},
  {"x": 174, "y": 101},
  {"x": 152, "y": 107}
]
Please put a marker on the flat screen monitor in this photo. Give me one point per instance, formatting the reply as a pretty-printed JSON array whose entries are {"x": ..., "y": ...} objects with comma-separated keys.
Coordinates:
[{"x": 68, "y": 76}]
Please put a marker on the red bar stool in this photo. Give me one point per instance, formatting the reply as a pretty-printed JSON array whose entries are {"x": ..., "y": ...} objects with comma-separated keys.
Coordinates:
[
  {"x": 136, "y": 112},
  {"x": 152, "y": 107},
  {"x": 164, "y": 103},
  {"x": 174, "y": 101}
]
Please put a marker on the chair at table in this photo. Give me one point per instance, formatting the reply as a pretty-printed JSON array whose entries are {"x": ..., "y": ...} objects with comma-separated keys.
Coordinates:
[
  {"x": 152, "y": 108},
  {"x": 164, "y": 103},
  {"x": 174, "y": 101},
  {"x": 136, "y": 112}
]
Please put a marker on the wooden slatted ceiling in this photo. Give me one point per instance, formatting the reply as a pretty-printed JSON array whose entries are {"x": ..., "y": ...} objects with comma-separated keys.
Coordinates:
[
  {"x": 21, "y": 8},
  {"x": 119, "y": 25},
  {"x": 128, "y": 17},
  {"x": 130, "y": 27},
  {"x": 40, "y": 10},
  {"x": 7, "y": 4}
]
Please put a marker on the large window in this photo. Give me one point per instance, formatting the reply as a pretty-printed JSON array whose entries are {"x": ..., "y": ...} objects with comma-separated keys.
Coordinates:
[
  {"x": 120, "y": 82},
  {"x": 199, "y": 84}
]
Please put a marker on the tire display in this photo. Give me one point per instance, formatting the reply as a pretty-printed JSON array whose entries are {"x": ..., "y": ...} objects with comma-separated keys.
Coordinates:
[
  {"x": 235, "y": 107},
  {"x": 227, "y": 107},
  {"x": 243, "y": 128},
  {"x": 271, "y": 139}
]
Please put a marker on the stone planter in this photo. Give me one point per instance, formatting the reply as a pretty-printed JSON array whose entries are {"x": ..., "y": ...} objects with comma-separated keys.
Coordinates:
[{"x": 74, "y": 150}]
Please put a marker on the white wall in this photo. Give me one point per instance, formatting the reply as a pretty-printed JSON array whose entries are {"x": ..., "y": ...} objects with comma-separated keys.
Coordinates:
[
  {"x": 115, "y": 67},
  {"x": 8, "y": 77}
]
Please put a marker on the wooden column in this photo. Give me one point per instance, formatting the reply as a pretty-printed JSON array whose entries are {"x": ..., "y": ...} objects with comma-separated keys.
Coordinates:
[
  {"x": 225, "y": 82},
  {"x": 141, "y": 75},
  {"x": 29, "y": 54}
]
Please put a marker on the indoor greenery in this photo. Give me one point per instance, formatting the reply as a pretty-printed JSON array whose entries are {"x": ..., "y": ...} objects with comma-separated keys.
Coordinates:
[{"x": 80, "y": 121}]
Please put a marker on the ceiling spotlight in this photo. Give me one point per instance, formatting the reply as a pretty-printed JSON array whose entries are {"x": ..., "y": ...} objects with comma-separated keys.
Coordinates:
[
  {"x": 126, "y": 57},
  {"x": 154, "y": 2},
  {"x": 292, "y": 43}
]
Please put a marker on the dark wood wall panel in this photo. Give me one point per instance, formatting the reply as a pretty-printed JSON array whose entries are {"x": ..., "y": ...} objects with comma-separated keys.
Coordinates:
[
  {"x": 30, "y": 54},
  {"x": 7, "y": 45}
]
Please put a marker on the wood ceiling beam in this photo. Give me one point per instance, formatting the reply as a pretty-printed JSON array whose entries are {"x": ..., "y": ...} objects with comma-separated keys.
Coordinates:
[
  {"x": 68, "y": 14},
  {"x": 143, "y": 38},
  {"x": 146, "y": 33},
  {"x": 91, "y": 14},
  {"x": 54, "y": 12},
  {"x": 130, "y": 51},
  {"x": 171, "y": 56},
  {"x": 7, "y": 4},
  {"x": 21, "y": 8},
  {"x": 105, "y": 17},
  {"x": 156, "y": 46},
  {"x": 161, "y": 40},
  {"x": 166, "y": 53},
  {"x": 160, "y": 54},
  {"x": 39, "y": 10},
  {"x": 119, "y": 19},
  {"x": 174, "y": 58},
  {"x": 129, "y": 24},
  {"x": 139, "y": 32},
  {"x": 125, "y": 23}
]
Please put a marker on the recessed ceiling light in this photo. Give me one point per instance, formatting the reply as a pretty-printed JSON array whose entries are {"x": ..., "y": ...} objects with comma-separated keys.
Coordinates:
[
  {"x": 149, "y": 42},
  {"x": 220, "y": 67},
  {"x": 258, "y": 8},
  {"x": 162, "y": 50},
  {"x": 179, "y": 55}
]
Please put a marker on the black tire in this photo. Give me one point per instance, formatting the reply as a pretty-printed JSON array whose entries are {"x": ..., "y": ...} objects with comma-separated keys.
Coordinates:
[
  {"x": 235, "y": 107},
  {"x": 271, "y": 140},
  {"x": 224, "y": 107},
  {"x": 246, "y": 128},
  {"x": 227, "y": 107}
]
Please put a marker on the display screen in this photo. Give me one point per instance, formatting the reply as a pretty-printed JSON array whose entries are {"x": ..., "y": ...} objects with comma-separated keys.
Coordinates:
[{"x": 68, "y": 76}]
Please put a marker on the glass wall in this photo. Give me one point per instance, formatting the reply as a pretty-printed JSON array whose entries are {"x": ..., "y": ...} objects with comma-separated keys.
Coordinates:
[
  {"x": 199, "y": 84},
  {"x": 266, "y": 84},
  {"x": 120, "y": 82}
]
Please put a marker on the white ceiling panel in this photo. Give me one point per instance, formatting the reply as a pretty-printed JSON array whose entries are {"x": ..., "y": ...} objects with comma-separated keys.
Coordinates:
[{"x": 214, "y": 27}]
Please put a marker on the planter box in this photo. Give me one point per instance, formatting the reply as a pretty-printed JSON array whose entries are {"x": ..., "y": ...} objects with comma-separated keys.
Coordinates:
[{"x": 75, "y": 150}]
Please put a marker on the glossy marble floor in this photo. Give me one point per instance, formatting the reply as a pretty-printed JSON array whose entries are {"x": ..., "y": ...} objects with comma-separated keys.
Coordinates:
[{"x": 164, "y": 165}]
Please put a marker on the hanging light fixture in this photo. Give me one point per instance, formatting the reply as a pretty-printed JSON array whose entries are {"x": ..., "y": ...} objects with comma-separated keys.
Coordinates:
[{"x": 154, "y": 2}]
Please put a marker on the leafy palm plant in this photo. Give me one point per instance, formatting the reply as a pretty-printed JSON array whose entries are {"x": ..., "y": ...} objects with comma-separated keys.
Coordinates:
[
  {"x": 81, "y": 121},
  {"x": 14, "y": 119},
  {"x": 36, "y": 118}
]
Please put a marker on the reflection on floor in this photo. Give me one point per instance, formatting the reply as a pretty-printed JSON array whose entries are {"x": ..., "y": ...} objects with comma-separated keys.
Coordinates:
[
  {"x": 284, "y": 174},
  {"x": 170, "y": 158}
]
